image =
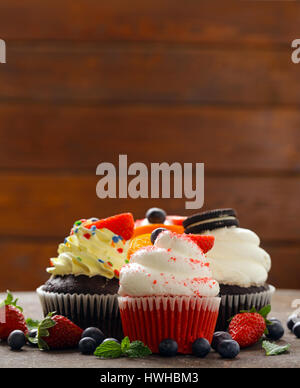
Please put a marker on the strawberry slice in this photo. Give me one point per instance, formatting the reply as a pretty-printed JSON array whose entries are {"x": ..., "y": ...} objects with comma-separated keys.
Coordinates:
[
  {"x": 176, "y": 220},
  {"x": 121, "y": 224},
  {"x": 203, "y": 242}
]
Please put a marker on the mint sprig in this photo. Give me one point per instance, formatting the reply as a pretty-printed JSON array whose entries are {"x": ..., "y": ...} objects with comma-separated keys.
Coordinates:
[
  {"x": 112, "y": 349},
  {"x": 273, "y": 349},
  {"x": 32, "y": 324}
]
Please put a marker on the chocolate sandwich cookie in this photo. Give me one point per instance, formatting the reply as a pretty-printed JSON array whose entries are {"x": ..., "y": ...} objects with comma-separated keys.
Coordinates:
[{"x": 210, "y": 220}]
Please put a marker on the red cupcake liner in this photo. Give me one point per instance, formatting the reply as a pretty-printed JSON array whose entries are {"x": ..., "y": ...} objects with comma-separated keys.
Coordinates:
[{"x": 182, "y": 318}]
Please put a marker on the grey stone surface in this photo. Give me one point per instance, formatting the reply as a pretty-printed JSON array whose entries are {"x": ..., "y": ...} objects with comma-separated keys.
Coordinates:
[{"x": 251, "y": 357}]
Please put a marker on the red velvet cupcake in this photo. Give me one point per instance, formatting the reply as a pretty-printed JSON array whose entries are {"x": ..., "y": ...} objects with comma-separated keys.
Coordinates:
[{"x": 166, "y": 291}]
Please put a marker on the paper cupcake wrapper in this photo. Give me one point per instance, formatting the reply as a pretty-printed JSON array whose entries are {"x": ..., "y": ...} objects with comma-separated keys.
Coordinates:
[
  {"x": 233, "y": 304},
  {"x": 184, "y": 319},
  {"x": 100, "y": 311}
]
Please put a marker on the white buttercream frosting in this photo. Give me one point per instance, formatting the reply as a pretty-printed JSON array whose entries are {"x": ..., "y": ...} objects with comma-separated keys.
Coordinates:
[
  {"x": 175, "y": 265},
  {"x": 236, "y": 257}
]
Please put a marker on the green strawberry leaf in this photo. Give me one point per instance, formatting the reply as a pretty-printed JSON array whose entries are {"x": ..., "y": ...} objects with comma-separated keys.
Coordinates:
[
  {"x": 42, "y": 331},
  {"x": 138, "y": 349},
  {"x": 273, "y": 349},
  {"x": 9, "y": 301},
  {"x": 264, "y": 312},
  {"x": 109, "y": 349}
]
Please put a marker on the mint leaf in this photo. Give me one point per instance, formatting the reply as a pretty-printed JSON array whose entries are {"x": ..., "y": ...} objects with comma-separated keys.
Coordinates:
[
  {"x": 273, "y": 350},
  {"x": 32, "y": 324},
  {"x": 137, "y": 349},
  {"x": 125, "y": 345},
  {"x": 109, "y": 349}
]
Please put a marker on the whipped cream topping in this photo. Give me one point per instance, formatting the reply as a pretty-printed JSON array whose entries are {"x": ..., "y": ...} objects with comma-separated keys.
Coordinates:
[
  {"x": 90, "y": 252},
  {"x": 236, "y": 257},
  {"x": 175, "y": 265}
]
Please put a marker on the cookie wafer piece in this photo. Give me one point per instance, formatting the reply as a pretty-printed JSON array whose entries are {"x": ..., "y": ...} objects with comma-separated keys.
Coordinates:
[{"x": 210, "y": 220}]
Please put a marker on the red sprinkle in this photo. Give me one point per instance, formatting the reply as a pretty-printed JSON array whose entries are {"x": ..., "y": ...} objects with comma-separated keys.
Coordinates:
[
  {"x": 87, "y": 235},
  {"x": 116, "y": 272},
  {"x": 154, "y": 281},
  {"x": 120, "y": 250}
]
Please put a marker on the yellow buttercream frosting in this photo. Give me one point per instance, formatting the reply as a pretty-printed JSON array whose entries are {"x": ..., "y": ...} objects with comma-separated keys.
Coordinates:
[{"x": 90, "y": 252}]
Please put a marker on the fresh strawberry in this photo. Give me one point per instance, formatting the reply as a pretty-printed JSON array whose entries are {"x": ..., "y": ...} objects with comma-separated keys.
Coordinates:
[
  {"x": 121, "y": 224},
  {"x": 176, "y": 220},
  {"x": 57, "y": 332},
  {"x": 248, "y": 327},
  {"x": 203, "y": 242},
  {"x": 11, "y": 317}
]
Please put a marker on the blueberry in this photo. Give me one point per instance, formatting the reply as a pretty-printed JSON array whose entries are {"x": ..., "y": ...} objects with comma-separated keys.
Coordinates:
[
  {"x": 156, "y": 215},
  {"x": 292, "y": 320},
  {"x": 201, "y": 347},
  {"x": 275, "y": 331},
  {"x": 296, "y": 329},
  {"x": 155, "y": 234},
  {"x": 87, "y": 345},
  {"x": 168, "y": 348},
  {"x": 218, "y": 337},
  {"x": 228, "y": 349},
  {"x": 16, "y": 340},
  {"x": 110, "y": 339},
  {"x": 95, "y": 333}
]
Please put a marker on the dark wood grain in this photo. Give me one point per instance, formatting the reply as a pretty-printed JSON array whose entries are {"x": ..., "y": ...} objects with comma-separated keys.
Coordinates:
[
  {"x": 250, "y": 22},
  {"x": 78, "y": 138},
  {"x": 151, "y": 74},
  {"x": 47, "y": 205},
  {"x": 24, "y": 264}
]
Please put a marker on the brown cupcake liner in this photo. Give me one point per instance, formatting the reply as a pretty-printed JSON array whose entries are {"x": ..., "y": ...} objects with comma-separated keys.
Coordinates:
[
  {"x": 233, "y": 304},
  {"x": 100, "y": 311}
]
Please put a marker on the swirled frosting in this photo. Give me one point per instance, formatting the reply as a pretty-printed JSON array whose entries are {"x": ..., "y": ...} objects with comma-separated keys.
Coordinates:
[
  {"x": 90, "y": 252},
  {"x": 175, "y": 265},
  {"x": 237, "y": 259}
]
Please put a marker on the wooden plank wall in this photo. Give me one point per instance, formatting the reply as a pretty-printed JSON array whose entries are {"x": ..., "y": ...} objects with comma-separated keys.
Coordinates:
[{"x": 160, "y": 81}]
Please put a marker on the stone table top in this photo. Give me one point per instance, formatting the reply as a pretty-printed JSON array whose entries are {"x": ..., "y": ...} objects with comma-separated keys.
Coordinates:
[{"x": 30, "y": 357}]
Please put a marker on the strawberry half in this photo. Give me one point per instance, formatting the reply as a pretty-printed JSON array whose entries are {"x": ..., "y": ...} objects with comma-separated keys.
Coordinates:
[
  {"x": 13, "y": 317},
  {"x": 176, "y": 220},
  {"x": 56, "y": 332},
  {"x": 247, "y": 327},
  {"x": 121, "y": 224},
  {"x": 205, "y": 243}
]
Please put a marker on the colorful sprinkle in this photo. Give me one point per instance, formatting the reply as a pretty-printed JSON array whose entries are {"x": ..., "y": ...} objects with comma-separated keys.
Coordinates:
[
  {"x": 79, "y": 258},
  {"x": 66, "y": 240},
  {"x": 126, "y": 261},
  {"x": 154, "y": 281},
  {"x": 100, "y": 261},
  {"x": 115, "y": 239},
  {"x": 110, "y": 264},
  {"x": 87, "y": 235},
  {"x": 77, "y": 223},
  {"x": 116, "y": 272},
  {"x": 120, "y": 250}
]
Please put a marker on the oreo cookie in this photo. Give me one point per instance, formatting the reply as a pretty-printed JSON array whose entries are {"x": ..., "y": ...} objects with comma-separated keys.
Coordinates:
[{"x": 210, "y": 220}]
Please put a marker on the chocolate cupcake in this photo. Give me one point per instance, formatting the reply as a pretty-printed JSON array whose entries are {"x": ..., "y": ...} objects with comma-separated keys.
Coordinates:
[
  {"x": 237, "y": 262},
  {"x": 85, "y": 276}
]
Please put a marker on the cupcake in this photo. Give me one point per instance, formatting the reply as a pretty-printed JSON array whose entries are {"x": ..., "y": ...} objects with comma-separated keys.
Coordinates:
[
  {"x": 84, "y": 277},
  {"x": 237, "y": 262},
  {"x": 166, "y": 291}
]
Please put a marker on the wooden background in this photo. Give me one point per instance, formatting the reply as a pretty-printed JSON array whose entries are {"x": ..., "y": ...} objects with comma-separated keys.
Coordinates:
[{"x": 158, "y": 80}]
